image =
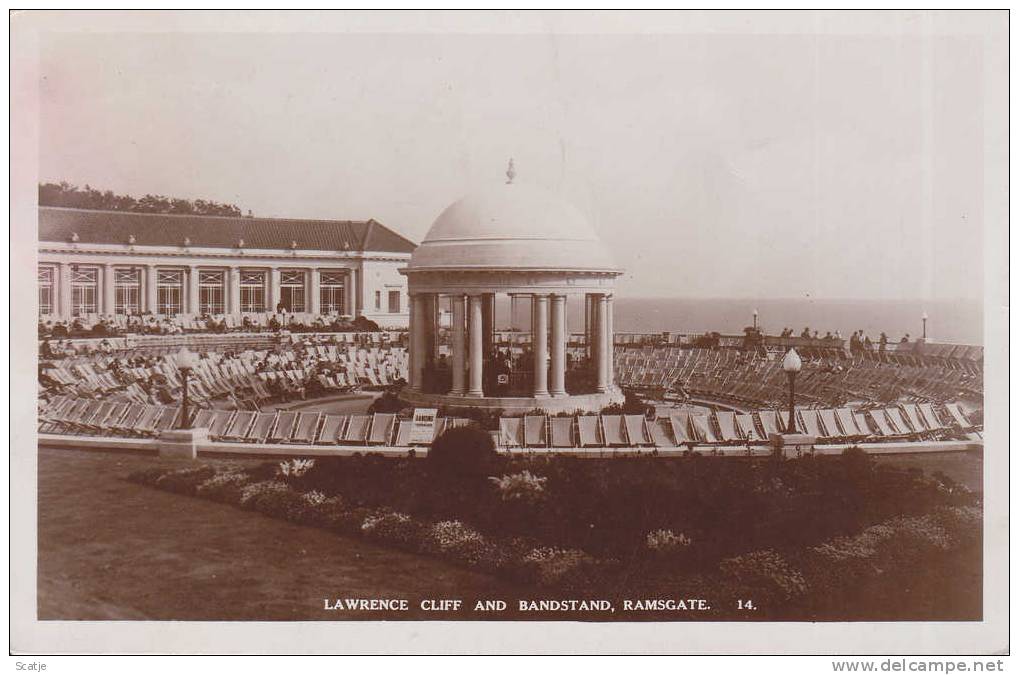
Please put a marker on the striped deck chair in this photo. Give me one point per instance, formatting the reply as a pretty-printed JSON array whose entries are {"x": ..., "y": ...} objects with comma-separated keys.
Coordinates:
[
  {"x": 332, "y": 429},
  {"x": 701, "y": 425},
  {"x": 727, "y": 427},
  {"x": 382, "y": 428},
  {"x": 219, "y": 423},
  {"x": 511, "y": 432},
  {"x": 931, "y": 417},
  {"x": 130, "y": 418},
  {"x": 829, "y": 424},
  {"x": 959, "y": 417},
  {"x": 306, "y": 427},
  {"x": 95, "y": 421},
  {"x": 615, "y": 433},
  {"x": 864, "y": 424},
  {"x": 680, "y": 422},
  {"x": 403, "y": 434},
  {"x": 661, "y": 433},
  {"x": 747, "y": 429},
  {"x": 808, "y": 418},
  {"x": 203, "y": 418},
  {"x": 590, "y": 434},
  {"x": 636, "y": 431},
  {"x": 170, "y": 419},
  {"x": 113, "y": 418},
  {"x": 239, "y": 426},
  {"x": 261, "y": 427},
  {"x": 534, "y": 431},
  {"x": 284, "y": 428},
  {"x": 769, "y": 422},
  {"x": 562, "y": 432},
  {"x": 357, "y": 429},
  {"x": 146, "y": 424}
]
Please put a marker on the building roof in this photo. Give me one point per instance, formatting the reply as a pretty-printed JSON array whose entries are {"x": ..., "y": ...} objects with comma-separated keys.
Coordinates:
[
  {"x": 159, "y": 229},
  {"x": 511, "y": 227}
]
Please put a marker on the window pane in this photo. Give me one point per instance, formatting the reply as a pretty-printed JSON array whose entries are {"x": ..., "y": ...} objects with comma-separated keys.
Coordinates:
[
  {"x": 332, "y": 278},
  {"x": 170, "y": 277},
  {"x": 45, "y": 299},
  {"x": 252, "y": 278},
  {"x": 127, "y": 276},
  {"x": 210, "y": 278},
  {"x": 45, "y": 275},
  {"x": 292, "y": 278},
  {"x": 394, "y": 302},
  {"x": 84, "y": 275}
]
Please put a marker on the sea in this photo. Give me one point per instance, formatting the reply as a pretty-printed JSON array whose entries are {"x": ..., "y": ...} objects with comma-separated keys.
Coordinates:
[{"x": 957, "y": 321}]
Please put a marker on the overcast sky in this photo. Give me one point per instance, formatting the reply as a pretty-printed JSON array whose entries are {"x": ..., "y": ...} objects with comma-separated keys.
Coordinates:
[{"x": 712, "y": 165}]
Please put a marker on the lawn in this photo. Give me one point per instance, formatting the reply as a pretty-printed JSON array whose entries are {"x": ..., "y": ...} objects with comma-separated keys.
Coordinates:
[{"x": 113, "y": 550}]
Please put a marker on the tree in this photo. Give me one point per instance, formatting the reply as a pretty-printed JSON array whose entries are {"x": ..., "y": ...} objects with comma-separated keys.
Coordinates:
[{"x": 69, "y": 196}]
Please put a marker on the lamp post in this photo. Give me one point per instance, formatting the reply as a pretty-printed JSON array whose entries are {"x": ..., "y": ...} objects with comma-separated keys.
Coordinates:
[
  {"x": 924, "y": 318},
  {"x": 792, "y": 364},
  {"x": 186, "y": 360},
  {"x": 755, "y": 319}
]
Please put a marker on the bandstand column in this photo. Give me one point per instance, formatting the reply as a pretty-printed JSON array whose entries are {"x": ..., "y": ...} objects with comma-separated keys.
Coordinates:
[
  {"x": 235, "y": 291},
  {"x": 610, "y": 349},
  {"x": 601, "y": 332},
  {"x": 417, "y": 335},
  {"x": 151, "y": 304},
  {"x": 459, "y": 347},
  {"x": 588, "y": 324},
  {"x": 109, "y": 299},
  {"x": 193, "y": 292},
  {"x": 539, "y": 343},
  {"x": 351, "y": 307},
  {"x": 477, "y": 347},
  {"x": 314, "y": 295},
  {"x": 558, "y": 384},
  {"x": 273, "y": 297},
  {"x": 488, "y": 324}
]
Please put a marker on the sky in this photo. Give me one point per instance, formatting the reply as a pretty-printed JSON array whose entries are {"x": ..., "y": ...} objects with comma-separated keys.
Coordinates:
[{"x": 713, "y": 165}]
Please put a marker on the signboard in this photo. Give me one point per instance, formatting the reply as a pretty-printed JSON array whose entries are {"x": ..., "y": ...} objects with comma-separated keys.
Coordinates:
[{"x": 422, "y": 427}]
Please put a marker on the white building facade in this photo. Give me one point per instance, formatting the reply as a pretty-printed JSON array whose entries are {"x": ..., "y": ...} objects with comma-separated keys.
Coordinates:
[{"x": 103, "y": 263}]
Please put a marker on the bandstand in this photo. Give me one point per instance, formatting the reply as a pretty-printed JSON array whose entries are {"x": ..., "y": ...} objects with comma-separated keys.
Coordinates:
[{"x": 517, "y": 241}]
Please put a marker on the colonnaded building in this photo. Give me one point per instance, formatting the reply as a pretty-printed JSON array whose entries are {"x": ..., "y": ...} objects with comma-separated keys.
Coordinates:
[{"x": 100, "y": 263}]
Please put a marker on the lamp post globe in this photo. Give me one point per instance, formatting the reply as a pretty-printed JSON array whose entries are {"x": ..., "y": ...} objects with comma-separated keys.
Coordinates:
[
  {"x": 186, "y": 360},
  {"x": 792, "y": 364}
]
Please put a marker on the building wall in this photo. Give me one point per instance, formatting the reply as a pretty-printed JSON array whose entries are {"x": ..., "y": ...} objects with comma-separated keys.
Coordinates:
[{"x": 64, "y": 266}]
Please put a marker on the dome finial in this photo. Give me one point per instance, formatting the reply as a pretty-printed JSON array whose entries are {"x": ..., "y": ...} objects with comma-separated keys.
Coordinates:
[{"x": 511, "y": 173}]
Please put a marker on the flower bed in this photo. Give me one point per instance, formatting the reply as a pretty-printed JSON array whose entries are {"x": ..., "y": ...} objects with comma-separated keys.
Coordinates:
[{"x": 809, "y": 579}]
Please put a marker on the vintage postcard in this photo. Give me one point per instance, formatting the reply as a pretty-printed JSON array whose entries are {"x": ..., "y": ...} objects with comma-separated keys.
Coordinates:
[{"x": 589, "y": 332}]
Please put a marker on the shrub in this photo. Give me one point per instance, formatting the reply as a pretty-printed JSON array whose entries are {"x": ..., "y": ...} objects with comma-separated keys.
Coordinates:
[
  {"x": 452, "y": 539},
  {"x": 551, "y": 566},
  {"x": 274, "y": 498},
  {"x": 391, "y": 527},
  {"x": 523, "y": 487},
  {"x": 462, "y": 452},
  {"x": 765, "y": 572},
  {"x": 185, "y": 481},
  {"x": 666, "y": 541},
  {"x": 294, "y": 468},
  {"x": 224, "y": 486}
]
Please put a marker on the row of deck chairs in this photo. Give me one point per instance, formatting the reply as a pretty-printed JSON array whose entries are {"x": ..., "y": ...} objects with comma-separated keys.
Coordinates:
[
  {"x": 72, "y": 415},
  {"x": 907, "y": 422}
]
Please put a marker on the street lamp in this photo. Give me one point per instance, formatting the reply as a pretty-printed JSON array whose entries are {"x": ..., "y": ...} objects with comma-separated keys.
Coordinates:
[
  {"x": 755, "y": 319},
  {"x": 924, "y": 325},
  {"x": 186, "y": 360},
  {"x": 792, "y": 364}
]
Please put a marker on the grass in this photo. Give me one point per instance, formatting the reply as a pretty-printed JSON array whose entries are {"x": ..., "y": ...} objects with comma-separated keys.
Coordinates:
[
  {"x": 113, "y": 550},
  {"x": 966, "y": 468}
]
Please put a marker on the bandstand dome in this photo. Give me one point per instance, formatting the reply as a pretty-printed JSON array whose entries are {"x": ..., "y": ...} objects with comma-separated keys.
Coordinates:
[{"x": 511, "y": 227}]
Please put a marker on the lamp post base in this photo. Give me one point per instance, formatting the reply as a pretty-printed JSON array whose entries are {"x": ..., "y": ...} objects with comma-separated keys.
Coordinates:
[
  {"x": 786, "y": 445},
  {"x": 182, "y": 443}
]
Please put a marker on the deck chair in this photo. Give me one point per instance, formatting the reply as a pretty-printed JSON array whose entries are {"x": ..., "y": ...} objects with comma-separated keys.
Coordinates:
[
  {"x": 534, "y": 431},
  {"x": 219, "y": 423},
  {"x": 829, "y": 424},
  {"x": 332, "y": 429},
  {"x": 934, "y": 422},
  {"x": 847, "y": 422},
  {"x": 783, "y": 420},
  {"x": 959, "y": 417},
  {"x": 285, "y": 423},
  {"x": 511, "y": 432},
  {"x": 116, "y": 413},
  {"x": 661, "y": 433},
  {"x": 915, "y": 419},
  {"x": 727, "y": 427},
  {"x": 403, "y": 434},
  {"x": 900, "y": 424},
  {"x": 382, "y": 428},
  {"x": 203, "y": 418},
  {"x": 681, "y": 431},
  {"x": 562, "y": 432},
  {"x": 170, "y": 419},
  {"x": 588, "y": 429},
  {"x": 238, "y": 428},
  {"x": 357, "y": 429},
  {"x": 769, "y": 422},
  {"x": 146, "y": 424},
  {"x": 808, "y": 418},
  {"x": 636, "y": 432},
  {"x": 881, "y": 424},
  {"x": 612, "y": 427},
  {"x": 130, "y": 418},
  {"x": 305, "y": 427},
  {"x": 865, "y": 425},
  {"x": 261, "y": 427},
  {"x": 701, "y": 425},
  {"x": 747, "y": 429}
]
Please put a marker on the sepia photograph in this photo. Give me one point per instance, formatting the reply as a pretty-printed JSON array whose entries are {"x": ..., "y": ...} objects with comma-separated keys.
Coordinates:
[{"x": 537, "y": 321}]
